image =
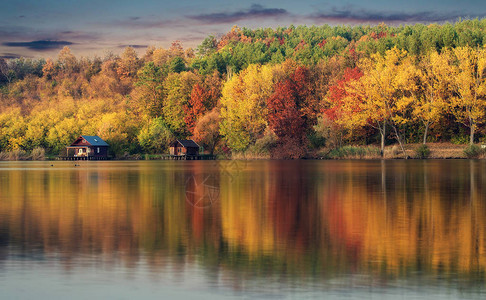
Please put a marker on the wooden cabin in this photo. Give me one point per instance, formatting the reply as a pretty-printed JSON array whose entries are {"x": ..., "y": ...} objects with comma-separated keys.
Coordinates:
[
  {"x": 184, "y": 147},
  {"x": 88, "y": 147}
]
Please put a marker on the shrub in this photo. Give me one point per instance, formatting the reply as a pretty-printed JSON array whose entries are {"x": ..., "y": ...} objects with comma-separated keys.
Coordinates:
[
  {"x": 473, "y": 151},
  {"x": 422, "y": 152},
  {"x": 460, "y": 139},
  {"x": 155, "y": 137},
  {"x": 265, "y": 144},
  {"x": 317, "y": 141},
  {"x": 38, "y": 153},
  {"x": 14, "y": 155},
  {"x": 348, "y": 152}
]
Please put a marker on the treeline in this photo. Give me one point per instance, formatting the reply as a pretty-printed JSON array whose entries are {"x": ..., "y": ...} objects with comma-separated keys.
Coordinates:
[{"x": 280, "y": 92}]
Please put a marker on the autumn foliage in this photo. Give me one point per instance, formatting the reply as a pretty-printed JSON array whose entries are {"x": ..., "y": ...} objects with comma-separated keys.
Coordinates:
[
  {"x": 257, "y": 90},
  {"x": 290, "y": 114}
]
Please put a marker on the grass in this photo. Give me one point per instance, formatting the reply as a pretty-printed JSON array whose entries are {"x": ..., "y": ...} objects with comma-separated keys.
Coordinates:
[
  {"x": 250, "y": 155},
  {"x": 422, "y": 152},
  {"x": 354, "y": 152},
  {"x": 36, "y": 154},
  {"x": 437, "y": 151},
  {"x": 474, "y": 151}
]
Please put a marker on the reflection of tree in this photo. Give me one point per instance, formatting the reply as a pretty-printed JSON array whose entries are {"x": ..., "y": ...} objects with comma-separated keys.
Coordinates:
[
  {"x": 292, "y": 204},
  {"x": 201, "y": 191},
  {"x": 293, "y": 217}
]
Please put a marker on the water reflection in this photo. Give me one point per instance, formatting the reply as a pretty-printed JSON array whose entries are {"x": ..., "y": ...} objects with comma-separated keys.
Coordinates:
[{"x": 253, "y": 226}]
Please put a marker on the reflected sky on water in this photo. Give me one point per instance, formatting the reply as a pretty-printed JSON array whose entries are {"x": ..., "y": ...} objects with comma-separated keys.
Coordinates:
[{"x": 232, "y": 229}]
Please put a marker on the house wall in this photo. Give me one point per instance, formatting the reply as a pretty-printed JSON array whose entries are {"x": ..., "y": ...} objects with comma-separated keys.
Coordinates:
[
  {"x": 102, "y": 153},
  {"x": 74, "y": 152},
  {"x": 177, "y": 151},
  {"x": 176, "y": 148},
  {"x": 192, "y": 151},
  {"x": 183, "y": 151},
  {"x": 81, "y": 143}
]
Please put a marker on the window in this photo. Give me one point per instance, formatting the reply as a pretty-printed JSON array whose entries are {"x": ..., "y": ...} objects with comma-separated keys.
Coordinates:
[
  {"x": 98, "y": 150},
  {"x": 80, "y": 151}
]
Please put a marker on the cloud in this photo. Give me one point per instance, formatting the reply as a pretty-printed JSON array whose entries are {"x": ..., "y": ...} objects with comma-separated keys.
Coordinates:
[
  {"x": 11, "y": 55},
  {"x": 254, "y": 12},
  {"x": 41, "y": 45},
  {"x": 23, "y": 33},
  {"x": 141, "y": 23},
  {"x": 74, "y": 35},
  {"x": 351, "y": 14},
  {"x": 133, "y": 46}
]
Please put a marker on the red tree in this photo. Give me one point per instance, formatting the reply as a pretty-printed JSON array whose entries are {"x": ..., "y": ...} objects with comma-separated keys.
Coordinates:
[
  {"x": 196, "y": 107},
  {"x": 337, "y": 92},
  {"x": 291, "y": 113}
]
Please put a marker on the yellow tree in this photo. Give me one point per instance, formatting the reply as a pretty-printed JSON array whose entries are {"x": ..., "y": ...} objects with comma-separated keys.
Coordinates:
[
  {"x": 128, "y": 64},
  {"x": 469, "y": 74},
  {"x": 243, "y": 106},
  {"x": 177, "y": 92},
  {"x": 66, "y": 61},
  {"x": 381, "y": 96},
  {"x": 431, "y": 88}
]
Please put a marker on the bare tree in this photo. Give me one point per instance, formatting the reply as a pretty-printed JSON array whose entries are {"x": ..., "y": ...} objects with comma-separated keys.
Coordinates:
[{"x": 6, "y": 71}]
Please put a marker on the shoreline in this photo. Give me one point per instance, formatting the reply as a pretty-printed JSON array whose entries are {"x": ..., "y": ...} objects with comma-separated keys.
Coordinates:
[
  {"x": 357, "y": 152},
  {"x": 438, "y": 151}
]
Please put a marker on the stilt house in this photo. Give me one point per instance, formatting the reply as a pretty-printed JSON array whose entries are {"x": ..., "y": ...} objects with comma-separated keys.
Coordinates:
[
  {"x": 184, "y": 147},
  {"x": 89, "y": 147}
]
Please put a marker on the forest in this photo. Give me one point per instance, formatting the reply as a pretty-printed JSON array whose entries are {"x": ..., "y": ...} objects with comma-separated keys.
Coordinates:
[{"x": 289, "y": 92}]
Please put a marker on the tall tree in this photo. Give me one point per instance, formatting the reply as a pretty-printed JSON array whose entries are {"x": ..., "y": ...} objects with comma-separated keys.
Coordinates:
[
  {"x": 292, "y": 113},
  {"x": 206, "y": 131},
  {"x": 177, "y": 94},
  {"x": 469, "y": 74},
  {"x": 149, "y": 90},
  {"x": 195, "y": 107},
  {"x": 379, "y": 98},
  {"x": 243, "y": 106},
  {"x": 66, "y": 61},
  {"x": 431, "y": 88},
  {"x": 128, "y": 64},
  {"x": 5, "y": 71}
]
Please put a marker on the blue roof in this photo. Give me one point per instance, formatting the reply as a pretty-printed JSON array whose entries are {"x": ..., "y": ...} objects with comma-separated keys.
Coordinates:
[{"x": 94, "y": 140}]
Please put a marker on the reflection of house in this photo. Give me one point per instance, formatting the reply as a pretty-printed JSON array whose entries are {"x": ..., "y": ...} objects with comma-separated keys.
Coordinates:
[
  {"x": 184, "y": 147},
  {"x": 88, "y": 147}
]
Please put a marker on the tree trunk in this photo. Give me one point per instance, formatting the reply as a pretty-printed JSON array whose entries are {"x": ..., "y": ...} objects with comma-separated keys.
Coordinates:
[
  {"x": 382, "y": 133},
  {"x": 399, "y": 141},
  {"x": 425, "y": 133},
  {"x": 471, "y": 136}
]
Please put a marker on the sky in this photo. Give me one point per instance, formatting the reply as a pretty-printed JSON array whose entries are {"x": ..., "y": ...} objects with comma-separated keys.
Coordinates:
[{"x": 40, "y": 28}]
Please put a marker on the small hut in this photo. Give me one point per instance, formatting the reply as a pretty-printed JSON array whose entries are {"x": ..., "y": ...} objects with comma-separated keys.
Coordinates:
[
  {"x": 184, "y": 147},
  {"x": 88, "y": 147}
]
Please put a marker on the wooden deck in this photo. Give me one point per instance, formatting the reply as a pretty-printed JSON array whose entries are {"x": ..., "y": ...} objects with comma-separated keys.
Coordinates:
[
  {"x": 161, "y": 157},
  {"x": 188, "y": 157},
  {"x": 81, "y": 158}
]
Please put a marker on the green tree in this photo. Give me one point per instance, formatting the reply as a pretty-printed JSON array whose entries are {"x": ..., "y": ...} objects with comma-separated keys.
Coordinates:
[
  {"x": 177, "y": 65},
  {"x": 155, "y": 136},
  {"x": 149, "y": 92}
]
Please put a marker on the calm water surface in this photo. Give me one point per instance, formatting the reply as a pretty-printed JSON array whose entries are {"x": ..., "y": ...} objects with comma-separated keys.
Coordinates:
[{"x": 257, "y": 229}]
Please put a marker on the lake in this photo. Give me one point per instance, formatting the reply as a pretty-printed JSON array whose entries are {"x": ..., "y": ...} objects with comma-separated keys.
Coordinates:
[{"x": 243, "y": 229}]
